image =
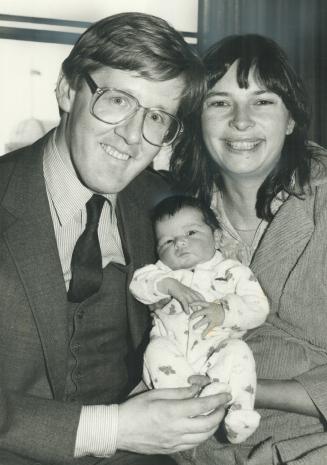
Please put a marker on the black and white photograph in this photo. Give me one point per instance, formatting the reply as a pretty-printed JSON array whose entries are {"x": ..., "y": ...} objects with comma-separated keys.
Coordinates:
[{"x": 163, "y": 246}]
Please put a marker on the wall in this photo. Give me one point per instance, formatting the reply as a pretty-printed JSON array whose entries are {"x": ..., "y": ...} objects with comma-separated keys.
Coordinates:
[
  {"x": 182, "y": 14},
  {"x": 299, "y": 26},
  {"x": 30, "y": 67}
]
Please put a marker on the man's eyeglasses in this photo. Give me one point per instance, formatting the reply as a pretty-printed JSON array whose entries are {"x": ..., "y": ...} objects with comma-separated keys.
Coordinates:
[{"x": 114, "y": 106}]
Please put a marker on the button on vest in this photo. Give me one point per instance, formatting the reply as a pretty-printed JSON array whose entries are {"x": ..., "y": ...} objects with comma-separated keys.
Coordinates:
[{"x": 98, "y": 350}]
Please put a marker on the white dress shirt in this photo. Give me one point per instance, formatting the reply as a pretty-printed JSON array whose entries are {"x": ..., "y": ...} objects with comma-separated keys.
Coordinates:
[{"x": 98, "y": 425}]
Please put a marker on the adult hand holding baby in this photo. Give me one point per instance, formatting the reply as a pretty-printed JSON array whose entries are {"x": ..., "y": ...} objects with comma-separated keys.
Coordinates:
[{"x": 166, "y": 421}]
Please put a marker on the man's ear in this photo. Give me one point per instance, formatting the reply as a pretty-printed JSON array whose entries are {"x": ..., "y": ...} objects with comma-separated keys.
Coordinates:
[
  {"x": 290, "y": 126},
  {"x": 64, "y": 93}
]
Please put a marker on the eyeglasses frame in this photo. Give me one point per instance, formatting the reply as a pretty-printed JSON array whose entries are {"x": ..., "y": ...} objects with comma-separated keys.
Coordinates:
[{"x": 97, "y": 92}]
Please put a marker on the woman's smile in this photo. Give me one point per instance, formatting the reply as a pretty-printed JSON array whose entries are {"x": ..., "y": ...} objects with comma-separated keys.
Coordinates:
[
  {"x": 243, "y": 122},
  {"x": 241, "y": 145}
]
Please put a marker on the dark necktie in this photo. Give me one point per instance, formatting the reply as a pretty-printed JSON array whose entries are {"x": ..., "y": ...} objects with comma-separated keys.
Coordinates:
[{"x": 86, "y": 262}]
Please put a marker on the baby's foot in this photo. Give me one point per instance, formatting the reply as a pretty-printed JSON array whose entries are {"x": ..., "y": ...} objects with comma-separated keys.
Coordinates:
[
  {"x": 240, "y": 424},
  {"x": 213, "y": 389}
]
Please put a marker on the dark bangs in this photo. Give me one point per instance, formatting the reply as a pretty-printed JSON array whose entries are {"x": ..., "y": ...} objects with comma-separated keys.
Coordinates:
[{"x": 271, "y": 67}]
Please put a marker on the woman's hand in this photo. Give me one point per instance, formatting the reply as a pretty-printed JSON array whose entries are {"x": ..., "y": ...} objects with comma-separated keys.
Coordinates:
[{"x": 287, "y": 395}]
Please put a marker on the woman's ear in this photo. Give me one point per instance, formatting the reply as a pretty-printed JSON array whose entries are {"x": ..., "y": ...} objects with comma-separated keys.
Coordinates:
[
  {"x": 64, "y": 93},
  {"x": 290, "y": 126},
  {"x": 216, "y": 238}
]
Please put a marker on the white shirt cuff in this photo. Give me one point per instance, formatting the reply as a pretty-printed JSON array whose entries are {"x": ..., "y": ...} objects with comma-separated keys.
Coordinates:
[{"x": 97, "y": 431}]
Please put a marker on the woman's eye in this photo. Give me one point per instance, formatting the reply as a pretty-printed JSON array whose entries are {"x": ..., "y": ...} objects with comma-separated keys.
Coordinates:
[
  {"x": 191, "y": 233},
  {"x": 217, "y": 104},
  {"x": 262, "y": 102}
]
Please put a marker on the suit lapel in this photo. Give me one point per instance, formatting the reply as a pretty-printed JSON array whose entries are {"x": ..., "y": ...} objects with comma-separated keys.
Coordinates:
[
  {"x": 136, "y": 229},
  {"x": 31, "y": 240}
]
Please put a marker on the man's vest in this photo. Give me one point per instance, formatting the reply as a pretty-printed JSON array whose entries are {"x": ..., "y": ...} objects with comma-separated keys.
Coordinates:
[{"x": 98, "y": 353}]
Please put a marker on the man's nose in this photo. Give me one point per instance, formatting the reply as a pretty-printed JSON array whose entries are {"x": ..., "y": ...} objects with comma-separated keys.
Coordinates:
[
  {"x": 131, "y": 130},
  {"x": 241, "y": 118}
]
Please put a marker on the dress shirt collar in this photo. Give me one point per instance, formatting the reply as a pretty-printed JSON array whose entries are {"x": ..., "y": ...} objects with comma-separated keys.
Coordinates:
[{"x": 67, "y": 193}]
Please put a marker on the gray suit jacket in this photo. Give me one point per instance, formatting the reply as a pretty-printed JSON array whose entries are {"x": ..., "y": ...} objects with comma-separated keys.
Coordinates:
[{"x": 35, "y": 424}]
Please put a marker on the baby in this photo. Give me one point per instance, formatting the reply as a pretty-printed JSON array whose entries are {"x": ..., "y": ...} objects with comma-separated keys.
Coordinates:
[{"x": 214, "y": 301}]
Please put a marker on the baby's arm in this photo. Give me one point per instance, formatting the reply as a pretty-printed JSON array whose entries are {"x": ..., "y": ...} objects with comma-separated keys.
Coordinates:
[
  {"x": 144, "y": 283},
  {"x": 247, "y": 306},
  {"x": 153, "y": 283}
]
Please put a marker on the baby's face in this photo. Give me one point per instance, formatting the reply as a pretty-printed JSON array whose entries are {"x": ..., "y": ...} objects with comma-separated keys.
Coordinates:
[{"x": 184, "y": 239}]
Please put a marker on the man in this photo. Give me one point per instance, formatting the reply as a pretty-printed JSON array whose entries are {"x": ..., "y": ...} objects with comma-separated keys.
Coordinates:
[{"x": 71, "y": 336}]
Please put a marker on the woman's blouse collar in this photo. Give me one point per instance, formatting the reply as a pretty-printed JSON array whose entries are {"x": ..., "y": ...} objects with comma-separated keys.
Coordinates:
[{"x": 229, "y": 241}]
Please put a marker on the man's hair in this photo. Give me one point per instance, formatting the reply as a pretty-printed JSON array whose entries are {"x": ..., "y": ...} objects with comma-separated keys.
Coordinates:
[
  {"x": 172, "y": 205},
  {"x": 142, "y": 43}
]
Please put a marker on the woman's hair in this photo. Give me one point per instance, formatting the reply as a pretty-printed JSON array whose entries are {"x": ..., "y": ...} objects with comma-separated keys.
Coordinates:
[
  {"x": 192, "y": 165},
  {"x": 142, "y": 43},
  {"x": 172, "y": 205}
]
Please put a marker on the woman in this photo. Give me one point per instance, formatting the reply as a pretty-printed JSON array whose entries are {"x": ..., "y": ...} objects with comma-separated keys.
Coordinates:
[{"x": 268, "y": 187}]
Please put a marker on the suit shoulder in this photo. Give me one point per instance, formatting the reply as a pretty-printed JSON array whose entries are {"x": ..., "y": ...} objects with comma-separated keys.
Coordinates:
[
  {"x": 154, "y": 181},
  {"x": 157, "y": 178},
  {"x": 149, "y": 188},
  {"x": 8, "y": 163},
  {"x": 21, "y": 158}
]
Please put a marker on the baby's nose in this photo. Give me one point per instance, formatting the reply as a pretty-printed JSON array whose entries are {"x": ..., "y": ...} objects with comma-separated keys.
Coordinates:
[{"x": 180, "y": 241}]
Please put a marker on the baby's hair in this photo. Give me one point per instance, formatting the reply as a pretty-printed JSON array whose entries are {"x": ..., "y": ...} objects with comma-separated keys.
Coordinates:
[{"x": 171, "y": 205}]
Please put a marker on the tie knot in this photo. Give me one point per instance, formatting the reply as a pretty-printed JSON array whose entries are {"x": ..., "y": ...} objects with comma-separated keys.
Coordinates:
[{"x": 93, "y": 209}]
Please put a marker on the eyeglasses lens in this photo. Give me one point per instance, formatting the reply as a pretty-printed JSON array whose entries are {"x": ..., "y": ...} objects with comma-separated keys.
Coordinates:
[{"x": 114, "y": 106}]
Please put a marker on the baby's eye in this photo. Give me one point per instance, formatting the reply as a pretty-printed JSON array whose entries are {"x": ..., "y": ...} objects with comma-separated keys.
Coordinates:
[
  {"x": 191, "y": 233},
  {"x": 168, "y": 242}
]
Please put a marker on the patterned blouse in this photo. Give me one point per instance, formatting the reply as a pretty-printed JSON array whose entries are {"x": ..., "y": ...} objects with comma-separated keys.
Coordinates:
[{"x": 230, "y": 242}]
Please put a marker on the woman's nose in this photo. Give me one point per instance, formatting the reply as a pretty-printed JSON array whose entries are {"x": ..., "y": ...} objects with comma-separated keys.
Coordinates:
[
  {"x": 241, "y": 118},
  {"x": 131, "y": 130}
]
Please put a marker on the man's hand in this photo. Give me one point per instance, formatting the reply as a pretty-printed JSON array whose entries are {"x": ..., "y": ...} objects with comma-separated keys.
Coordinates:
[
  {"x": 165, "y": 421},
  {"x": 184, "y": 294},
  {"x": 212, "y": 315}
]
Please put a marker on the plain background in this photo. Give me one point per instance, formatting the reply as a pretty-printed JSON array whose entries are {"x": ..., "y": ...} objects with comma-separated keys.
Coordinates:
[{"x": 29, "y": 68}]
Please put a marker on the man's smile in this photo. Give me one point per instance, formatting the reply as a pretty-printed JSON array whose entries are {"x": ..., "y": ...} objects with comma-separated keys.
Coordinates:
[{"x": 115, "y": 153}]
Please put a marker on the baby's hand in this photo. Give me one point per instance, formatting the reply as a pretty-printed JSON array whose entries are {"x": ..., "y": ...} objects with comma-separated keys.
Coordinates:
[
  {"x": 212, "y": 313},
  {"x": 184, "y": 294},
  {"x": 159, "y": 305}
]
